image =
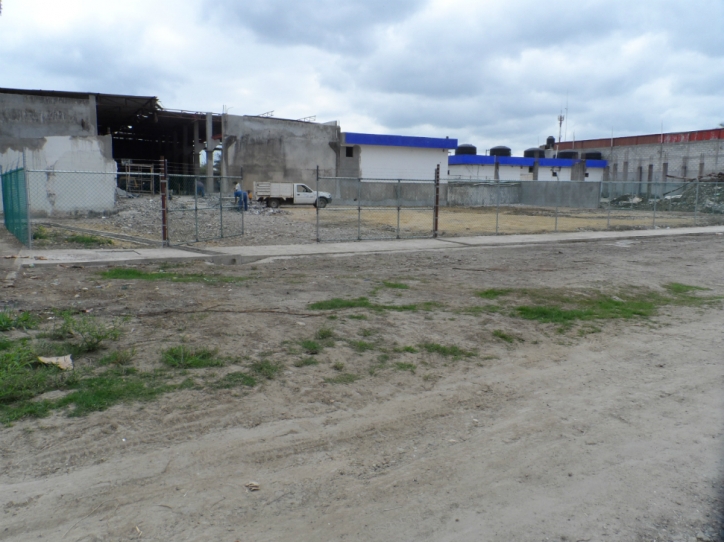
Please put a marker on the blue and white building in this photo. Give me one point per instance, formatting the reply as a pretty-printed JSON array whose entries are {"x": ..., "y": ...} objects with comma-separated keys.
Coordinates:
[
  {"x": 376, "y": 156},
  {"x": 466, "y": 167}
]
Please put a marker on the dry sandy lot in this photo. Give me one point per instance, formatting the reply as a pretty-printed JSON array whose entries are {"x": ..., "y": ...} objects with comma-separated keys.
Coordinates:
[{"x": 607, "y": 430}]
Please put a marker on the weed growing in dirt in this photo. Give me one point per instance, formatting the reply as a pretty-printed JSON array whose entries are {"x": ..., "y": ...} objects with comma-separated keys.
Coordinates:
[
  {"x": 493, "y": 293},
  {"x": 383, "y": 358},
  {"x": 324, "y": 333},
  {"x": 265, "y": 368},
  {"x": 366, "y": 332},
  {"x": 332, "y": 317},
  {"x": 401, "y": 366},
  {"x": 183, "y": 357},
  {"x": 406, "y": 349},
  {"x": 503, "y": 336},
  {"x": 477, "y": 311},
  {"x": 446, "y": 351},
  {"x": 356, "y": 317},
  {"x": 396, "y": 285},
  {"x": 339, "y": 366},
  {"x": 118, "y": 357},
  {"x": 234, "y": 380},
  {"x": 41, "y": 232},
  {"x": 678, "y": 288},
  {"x": 344, "y": 378},
  {"x": 305, "y": 362},
  {"x": 361, "y": 346},
  {"x": 311, "y": 347},
  {"x": 88, "y": 240},
  {"x": 88, "y": 332},
  {"x": 24, "y": 320},
  {"x": 128, "y": 273}
]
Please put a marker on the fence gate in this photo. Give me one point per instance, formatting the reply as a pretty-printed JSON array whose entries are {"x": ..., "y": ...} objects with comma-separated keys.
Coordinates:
[{"x": 16, "y": 205}]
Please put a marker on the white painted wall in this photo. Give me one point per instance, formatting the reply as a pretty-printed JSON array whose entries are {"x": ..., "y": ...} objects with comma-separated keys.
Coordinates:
[
  {"x": 384, "y": 162},
  {"x": 475, "y": 172},
  {"x": 67, "y": 175},
  {"x": 595, "y": 174},
  {"x": 546, "y": 173}
]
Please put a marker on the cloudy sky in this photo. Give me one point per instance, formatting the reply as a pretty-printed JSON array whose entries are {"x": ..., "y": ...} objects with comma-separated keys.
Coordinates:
[{"x": 487, "y": 72}]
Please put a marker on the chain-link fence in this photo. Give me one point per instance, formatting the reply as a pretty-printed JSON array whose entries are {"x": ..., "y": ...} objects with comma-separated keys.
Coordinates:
[
  {"x": 198, "y": 208},
  {"x": 16, "y": 208}
]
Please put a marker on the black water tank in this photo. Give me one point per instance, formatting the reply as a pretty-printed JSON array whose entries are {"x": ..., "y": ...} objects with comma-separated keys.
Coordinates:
[
  {"x": 592, "y": 155},
  {"x": 534, "y": 152},
  {"x": 466, "y": 148},
  {"x": 568, "y": 155},
  {"x": 500, "y": 151},
  {"x": 550, "y": 142}
]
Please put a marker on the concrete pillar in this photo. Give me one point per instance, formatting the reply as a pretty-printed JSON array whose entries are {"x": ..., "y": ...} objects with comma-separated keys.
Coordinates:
[
  {"x": 195, "y": 150},
  {"x": 209, "y": 154}
]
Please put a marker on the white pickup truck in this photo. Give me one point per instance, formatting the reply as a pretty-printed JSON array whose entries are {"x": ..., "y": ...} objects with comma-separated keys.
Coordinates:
[{"x": 274, "y": 194}]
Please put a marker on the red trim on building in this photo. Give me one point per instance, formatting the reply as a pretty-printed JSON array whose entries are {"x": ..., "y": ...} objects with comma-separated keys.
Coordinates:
[{"x": 653, "y": 139}]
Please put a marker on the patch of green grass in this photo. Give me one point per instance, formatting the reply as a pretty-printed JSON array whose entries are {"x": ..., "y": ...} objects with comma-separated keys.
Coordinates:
[
  {"x": 396, "y": 285},
  {"x": 339, "y": 366},
  {"x": 234, "y": 380},
  {"x": 503, "y": 336},
  {"x": 431, "y": 305},
  {"x": 183, "y": 357},
  {"x": 366, "y": 332},
  {"x": 357, "y": 317},
  {"x": 129, "y": 273},
  {"x": 11, "y": 320},
  {"x": 87, "y": 332},
  {"x": 678, "y": 288},
  {"x": 117, "y": 357},
  {"x": 383, "y": 358},
  {"x": 401, "y": 366},
  {"x": 311, "y": 347},
  {"x": 305, "y": 362},
  {"x": 361, "y": 346},
  {"x": 344, "y": 378},
  {"x": 406, "y": 349},
  {"x": 446, "y": 351},
  {"x": 494, "y": 293},
  {"x": 88, "y": 240},
  {"x": 41, "y": 233},
  {"x": 324, "y": 334},
  {"x": 266, "y": 369},
  {"x": 332, "y": 317}
]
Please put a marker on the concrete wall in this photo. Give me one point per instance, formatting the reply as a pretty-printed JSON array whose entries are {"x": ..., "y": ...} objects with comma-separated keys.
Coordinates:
[
  {"x": 383, "y": 162},
  {"x": 391, "y": 194},
  {"x": 575, "y": 194},
  {"x": 473, "y": 172},
  {"x": 278, "y": 150},
  {"x": 30, "y": 117},
  {"x": 55, "y": 187},
  {"x": 472, "y": 194},
  {"x": 632, "y": 163}
]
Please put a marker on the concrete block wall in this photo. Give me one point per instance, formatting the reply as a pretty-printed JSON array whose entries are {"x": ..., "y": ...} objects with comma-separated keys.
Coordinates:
[
  {"x": 640, "y": 163},
  {"x": 411, "y": 194},
  {"x": 476, "y": 194},
  {"x": 574, "y": 194}
]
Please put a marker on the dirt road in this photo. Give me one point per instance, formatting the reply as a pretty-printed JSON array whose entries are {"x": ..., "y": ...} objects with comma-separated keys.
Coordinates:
[{"x": 606, "y": 430}]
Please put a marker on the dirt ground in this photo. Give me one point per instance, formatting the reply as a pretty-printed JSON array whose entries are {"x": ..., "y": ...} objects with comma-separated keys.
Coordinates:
[{"x": 610, "y": 431}]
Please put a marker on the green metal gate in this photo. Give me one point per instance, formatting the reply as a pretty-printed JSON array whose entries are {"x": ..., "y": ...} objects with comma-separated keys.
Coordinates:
[{"x": 16, "y": 205}]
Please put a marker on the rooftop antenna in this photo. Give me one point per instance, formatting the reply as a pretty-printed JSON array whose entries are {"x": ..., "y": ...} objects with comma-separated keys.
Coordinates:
[
  {"x": 561, "y": 118},
  {"x": 565, "y": 130}
]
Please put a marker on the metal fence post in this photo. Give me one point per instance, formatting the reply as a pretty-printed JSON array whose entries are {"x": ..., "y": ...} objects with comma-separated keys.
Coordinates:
[
  {"x": 164, "y": 209},
  {"x": 317, "y": 206},
  {"x": 653, "y": 222},
  {"x": 696, "y": 205},
  {"x": 398, "y": 207},
  {"x": 221, "y": 209},
  {"x": 196, "y": 206},
  {"x": 26, "y": 179},
  {"x": 497, "y": 206},
  {"x": 436, "y": 208},
  {"x": 359, "y": 209}
]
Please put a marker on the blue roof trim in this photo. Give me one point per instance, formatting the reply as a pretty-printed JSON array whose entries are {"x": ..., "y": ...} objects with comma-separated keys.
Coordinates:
[
  {"x": 352, "y": 138},
  {"x": 470, "y": 159},
  {"x": 556, "y": 162},
  {"x": 596, "y": 163},
  {"x": 515, "y": 161}
]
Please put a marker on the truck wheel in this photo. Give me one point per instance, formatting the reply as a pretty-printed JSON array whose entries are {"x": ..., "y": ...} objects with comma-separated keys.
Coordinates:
[
  {"x": 321, "y": 203},
  {"x": 273, "y": 203}
]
